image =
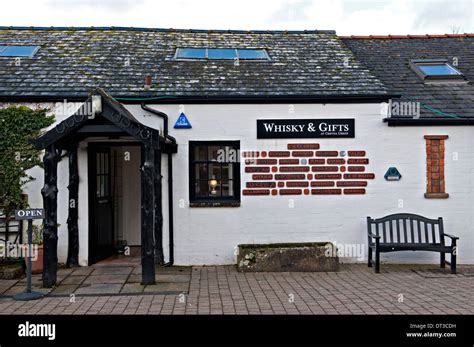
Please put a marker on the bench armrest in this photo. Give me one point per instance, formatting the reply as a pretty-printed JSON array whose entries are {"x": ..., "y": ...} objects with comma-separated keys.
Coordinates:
[
  {"x": 452, "y": 237},
  {"x": 374, "y": 236}
]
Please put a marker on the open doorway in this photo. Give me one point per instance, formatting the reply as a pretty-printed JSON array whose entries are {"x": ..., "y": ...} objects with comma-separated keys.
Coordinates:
[{"x": 114, "y": 200}]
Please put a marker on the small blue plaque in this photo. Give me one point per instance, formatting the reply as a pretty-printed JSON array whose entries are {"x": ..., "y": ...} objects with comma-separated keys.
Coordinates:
[{"x": 182, "y": 122}]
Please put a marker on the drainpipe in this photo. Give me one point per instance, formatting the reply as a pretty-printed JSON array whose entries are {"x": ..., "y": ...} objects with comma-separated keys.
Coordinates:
[{"x": 172, "y": 140}]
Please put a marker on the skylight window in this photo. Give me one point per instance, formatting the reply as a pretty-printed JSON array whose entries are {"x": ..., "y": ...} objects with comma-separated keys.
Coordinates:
[
  {"x": 18, "y": 51},
  {"x": 436, "y": 70},
  {"x": 220, "y": 54}
]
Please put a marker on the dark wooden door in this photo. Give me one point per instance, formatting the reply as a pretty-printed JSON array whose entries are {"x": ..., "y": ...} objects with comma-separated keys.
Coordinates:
[{"x": 101, "y": 228}]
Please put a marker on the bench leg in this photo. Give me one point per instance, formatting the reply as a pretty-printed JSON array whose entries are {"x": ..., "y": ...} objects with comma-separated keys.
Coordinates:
[
  {"x": 443, "y": 260},
  {"x": 377, "y": 261},
  {"x": 370, "y": 257},
  {"x": 453, "y": 263}
]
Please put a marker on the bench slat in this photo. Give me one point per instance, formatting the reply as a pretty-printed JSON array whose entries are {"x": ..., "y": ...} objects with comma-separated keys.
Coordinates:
[
  {"x": 384, "y": 232},
  {"x": 412, "y": 231},
  {"x": 397, "y": 223},
  {"x": 433, "y": 232},
  {"x": 405, "y": 229},
  {"x": 426, "y": 233},
  {"x": 418, "y": 224}
]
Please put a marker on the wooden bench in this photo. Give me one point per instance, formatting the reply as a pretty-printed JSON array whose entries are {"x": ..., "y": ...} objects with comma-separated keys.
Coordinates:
[{"x": 409, "y": 232}]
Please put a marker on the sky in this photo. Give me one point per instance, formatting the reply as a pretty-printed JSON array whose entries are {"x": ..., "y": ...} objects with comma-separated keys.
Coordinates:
[{"x": 347, "y": 17}]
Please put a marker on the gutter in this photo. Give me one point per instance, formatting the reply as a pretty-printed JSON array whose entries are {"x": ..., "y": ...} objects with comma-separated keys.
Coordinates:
[
  {"x": 215, "y": 99},
  {"x": 172, "y": 140},
  {"x": 393, "y": 122}
]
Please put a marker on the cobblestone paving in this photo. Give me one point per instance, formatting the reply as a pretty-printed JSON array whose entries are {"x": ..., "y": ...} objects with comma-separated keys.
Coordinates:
[{"x": 399, "y": 289}]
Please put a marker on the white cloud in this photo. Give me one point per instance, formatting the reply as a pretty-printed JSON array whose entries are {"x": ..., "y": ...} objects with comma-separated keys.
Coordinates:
[{"x": 345, "y": 16}]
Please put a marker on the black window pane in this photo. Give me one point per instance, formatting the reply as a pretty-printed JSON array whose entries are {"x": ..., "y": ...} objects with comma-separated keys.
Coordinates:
[
  {"x": 215, "y": 171},
  {"x": 213, "y": 152},
  {"x": 200, "y": 153},
  {"x": 201, "y": 172}
]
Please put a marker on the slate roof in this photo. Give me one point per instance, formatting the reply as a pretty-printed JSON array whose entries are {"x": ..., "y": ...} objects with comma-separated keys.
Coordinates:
[
  {"x": 72, "y": 61},
  {"x": 388, "y": 58}
]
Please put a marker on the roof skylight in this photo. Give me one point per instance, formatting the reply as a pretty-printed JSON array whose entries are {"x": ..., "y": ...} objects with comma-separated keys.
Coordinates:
[
  {"x": 220, "y": 54},
  {"x": 436, "y": 70},
  {"x": 18, "y": 51}
]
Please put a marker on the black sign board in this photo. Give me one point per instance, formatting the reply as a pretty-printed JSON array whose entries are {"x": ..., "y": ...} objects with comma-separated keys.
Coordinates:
[
  {"x": 29, "y": 213},
  {"x": 305, "y": 128}
]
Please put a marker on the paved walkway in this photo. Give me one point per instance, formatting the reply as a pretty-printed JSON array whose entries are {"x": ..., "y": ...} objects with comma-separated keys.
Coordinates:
[{"x": 399, "y": 289}]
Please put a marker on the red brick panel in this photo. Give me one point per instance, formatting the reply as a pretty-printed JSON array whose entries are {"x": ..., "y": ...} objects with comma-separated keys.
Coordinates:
[
  {"x": 297, "y": 184},
  {"x": 327, "y": 153},
  {"x": 302, "y": 154},
  {"x": 328, "y": 176},
  {"x": 251, "y": 154},
  {"x": 292, "y": 146},
  {"x": 435, "y": 181},
  {"x": 263, "y": 161},
  {"x": 325, "y": 168},
  {"x": 256, "y": 192},
  {"x": 358, "y": 161},
  {"x": 274, "y": 154},
  {"x": 289, "y": 161},
  {"x": 356, "y": 168},
  {"x": 261, "y": 184},
  {"x": 285, "y": 177},
  {"x": 326, "y": 191},
  {"x": 323, "y": 184},
  {"x": 356, "y": 153},
  {"x": 352, "y": 184},
  {"x": 354, "y": 191},
  {"x": 367, "y": 176},
  {"x": 317, "y": 161},
  {"x": 250, "y": 169},
  {"x": 336, "y": 161},
  {"x": 294, "y": 169},
  {"x": 291, "y": 192},
  {"x": 262, "y": 177}
]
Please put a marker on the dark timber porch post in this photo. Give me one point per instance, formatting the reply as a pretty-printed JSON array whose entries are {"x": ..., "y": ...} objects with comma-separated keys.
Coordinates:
[
  {"x": 50, "y": 204},
  {"x": 148, "y": 205},
  {"x": 73, "y": 229},
  {"x": 159, "y": 257}
]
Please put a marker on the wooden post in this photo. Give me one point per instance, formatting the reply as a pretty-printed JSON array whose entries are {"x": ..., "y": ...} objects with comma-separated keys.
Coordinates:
[
  {"x": 73, "y": 229},
  {"x": 50, "y": 204},
  {"x": 148, "y": 205},
  {"x": 158, "y": 227}
]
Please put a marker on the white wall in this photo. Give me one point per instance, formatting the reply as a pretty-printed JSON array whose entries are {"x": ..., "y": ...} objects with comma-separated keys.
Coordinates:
[{"x": 209, "y": 235}]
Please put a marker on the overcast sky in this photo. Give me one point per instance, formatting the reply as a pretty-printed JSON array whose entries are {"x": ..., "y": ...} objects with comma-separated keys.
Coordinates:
[{"x": 345, "y": 16}]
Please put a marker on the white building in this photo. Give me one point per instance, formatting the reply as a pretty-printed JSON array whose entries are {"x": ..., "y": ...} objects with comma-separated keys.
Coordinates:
[{"x": 290, "y": 136}]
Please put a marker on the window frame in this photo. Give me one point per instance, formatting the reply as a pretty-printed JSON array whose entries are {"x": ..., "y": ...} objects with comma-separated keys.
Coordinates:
[
  {"x": 31, "y": 55},
  {"x": 206, "y": 54},
  {"x": 415, "y": 66},
  {"x": 235, "y": 144}
]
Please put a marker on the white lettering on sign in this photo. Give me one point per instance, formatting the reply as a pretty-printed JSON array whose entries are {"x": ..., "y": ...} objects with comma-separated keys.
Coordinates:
[
  {"x": 29, "y": 213},
  {"x": 324, "y": 127},
  {"x": 37, "y": 330},
  {"x": 284, "y": 128}
]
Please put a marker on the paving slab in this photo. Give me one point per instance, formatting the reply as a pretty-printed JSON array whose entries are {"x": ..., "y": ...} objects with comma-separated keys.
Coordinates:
[
  {"x": 105, "y": 278},
  {"x": 134, "y": 279},
  {"x": 167, "y": 288},
  {"x": 173, "y": 278},
  {"x": 109, "y": 270},
  {"x": 100, "y": 288},
  {"x": 64, "y": 289},
  {"x": 82, "y": 271},
  {"x": 132, "y": 288},
  {"x": 73, "y": 280}
]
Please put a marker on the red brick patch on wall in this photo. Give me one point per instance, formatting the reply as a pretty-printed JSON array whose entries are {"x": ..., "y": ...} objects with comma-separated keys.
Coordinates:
[
  {"x": 328, "y": 175},
  {"x": 289, "y": 161},
  {"x": 303, "y": 154},
  {"x": 297, "y": 146},
  {"x": 250, "y": 169},
  {"x": 327, "y": 153},
  {"x": 273, "y": 154},
  {"x": 294, "y": 169},
  {"x": 435, "y": 180}
]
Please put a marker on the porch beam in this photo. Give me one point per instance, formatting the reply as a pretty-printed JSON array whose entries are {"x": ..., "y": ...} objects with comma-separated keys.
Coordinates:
[
  {"x": 50, "y": 204},
  {"x": 72, "y": 225},
  {"x": 158, "y": 225},
  {"x": 148, "y": 205}
]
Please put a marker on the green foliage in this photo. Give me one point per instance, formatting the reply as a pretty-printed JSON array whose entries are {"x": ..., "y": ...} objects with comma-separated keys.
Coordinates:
[
  {"x": 37, "y": 234},
  {"x": 18, "y": 125}
]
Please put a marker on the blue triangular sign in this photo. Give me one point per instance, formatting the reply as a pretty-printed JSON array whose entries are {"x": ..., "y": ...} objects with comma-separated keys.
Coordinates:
[{"x": 182, "y": 122}]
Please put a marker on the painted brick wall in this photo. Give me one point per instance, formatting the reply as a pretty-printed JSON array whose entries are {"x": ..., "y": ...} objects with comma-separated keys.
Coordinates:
[{"x": 303, "y": 169}]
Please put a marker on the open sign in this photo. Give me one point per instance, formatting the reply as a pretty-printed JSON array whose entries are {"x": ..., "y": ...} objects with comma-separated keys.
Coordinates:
[{"x": 29, "y": 213}]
